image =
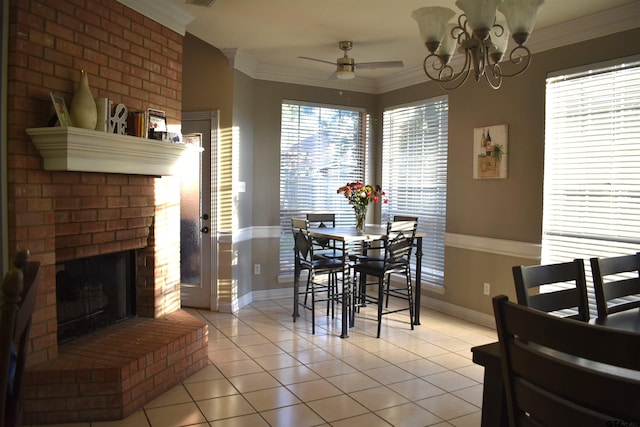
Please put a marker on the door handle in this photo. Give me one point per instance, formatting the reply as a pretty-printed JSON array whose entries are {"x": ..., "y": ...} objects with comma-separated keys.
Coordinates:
[{"x": 205, "y": 229}]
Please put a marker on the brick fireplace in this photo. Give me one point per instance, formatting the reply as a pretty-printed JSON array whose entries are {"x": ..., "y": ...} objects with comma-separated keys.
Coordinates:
[{"x": 63, "y": 215}]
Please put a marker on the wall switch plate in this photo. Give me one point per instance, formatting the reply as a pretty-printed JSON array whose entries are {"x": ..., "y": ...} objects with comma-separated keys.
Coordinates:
[
  {"x": 256, "y": 269},
  {"x": 487, "y": 288}
]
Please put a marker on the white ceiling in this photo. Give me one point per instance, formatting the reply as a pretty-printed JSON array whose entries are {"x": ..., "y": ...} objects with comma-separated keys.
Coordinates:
[{"x": 268, "y": 36}]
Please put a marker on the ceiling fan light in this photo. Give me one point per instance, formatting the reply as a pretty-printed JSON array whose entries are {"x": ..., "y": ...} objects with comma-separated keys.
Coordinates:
[
  {"x": 480, "y": 14},
  {"x": 345, "y": 75},
  {"x": 432, "y": 22},
  {"x": 521, "y": 14}
]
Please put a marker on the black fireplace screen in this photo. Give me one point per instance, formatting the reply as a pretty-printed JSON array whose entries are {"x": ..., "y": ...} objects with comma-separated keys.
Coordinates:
[{"x": 93, "y": 293}]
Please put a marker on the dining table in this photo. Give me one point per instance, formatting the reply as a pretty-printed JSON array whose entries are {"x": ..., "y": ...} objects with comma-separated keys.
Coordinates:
[
  {"x": 348, "y": 237},
  {"x": 494, "y": 405}
]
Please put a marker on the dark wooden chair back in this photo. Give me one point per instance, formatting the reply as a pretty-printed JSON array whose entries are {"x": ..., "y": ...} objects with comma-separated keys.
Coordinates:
[
  {"x": 17, "y": 305},
  {"x": 570, "y": 300},
  {"x": 561, "y": 372},
  {"x": 616, "y": 293}
]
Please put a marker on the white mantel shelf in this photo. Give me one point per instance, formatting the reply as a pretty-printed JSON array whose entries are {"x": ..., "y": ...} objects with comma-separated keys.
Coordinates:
[{"x": 84, "y": 150}]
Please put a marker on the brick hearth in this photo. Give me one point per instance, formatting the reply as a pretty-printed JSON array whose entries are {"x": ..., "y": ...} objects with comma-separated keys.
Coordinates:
[{"x": 110, "y": 374}]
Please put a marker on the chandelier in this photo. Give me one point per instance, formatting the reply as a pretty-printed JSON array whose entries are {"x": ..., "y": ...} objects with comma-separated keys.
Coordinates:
[{"x": 480, "y": 35}]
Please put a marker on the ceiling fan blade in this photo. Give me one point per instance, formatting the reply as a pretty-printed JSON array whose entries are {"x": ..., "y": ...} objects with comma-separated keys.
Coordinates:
[
  {"x": 382, "y": 64},
  {"x": 317, "y": 60}
]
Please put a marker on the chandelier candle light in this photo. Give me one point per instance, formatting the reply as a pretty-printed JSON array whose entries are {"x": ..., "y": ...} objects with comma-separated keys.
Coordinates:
[
  {"x": 360, "y": 196},
  {"x": 480, "y": 36}
]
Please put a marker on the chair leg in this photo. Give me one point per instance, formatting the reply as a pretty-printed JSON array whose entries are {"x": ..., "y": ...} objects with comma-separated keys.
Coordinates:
[
  {"x": 410, "y": 298},
  {"x": 310, "y": 283},
  {"x": 380, "y": 302}
]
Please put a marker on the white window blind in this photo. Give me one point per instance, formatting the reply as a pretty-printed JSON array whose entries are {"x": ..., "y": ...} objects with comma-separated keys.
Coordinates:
[
  {"x": 321, "y": 149},
  {"x": 414, "y": 175},
  {"x": 592, "y": 165}
]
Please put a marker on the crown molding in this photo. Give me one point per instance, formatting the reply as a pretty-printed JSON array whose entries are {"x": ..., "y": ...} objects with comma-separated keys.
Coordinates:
[{"x": 163, "y": 12}]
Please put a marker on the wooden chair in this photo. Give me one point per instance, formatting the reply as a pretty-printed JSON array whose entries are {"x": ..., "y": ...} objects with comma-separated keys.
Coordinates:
[
  {"x": 396, "y": 259},
  {"x": 571, "y": 298},
  {"x": 17, "y": 305},
  {"x": 305, "y": 260},
  {"x": 561, "y": 372},
  {"x": 615, "y": 294}
]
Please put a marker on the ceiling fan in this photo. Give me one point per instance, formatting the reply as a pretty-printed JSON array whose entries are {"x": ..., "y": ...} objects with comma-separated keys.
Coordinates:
[{"x": 346, "y": 66}]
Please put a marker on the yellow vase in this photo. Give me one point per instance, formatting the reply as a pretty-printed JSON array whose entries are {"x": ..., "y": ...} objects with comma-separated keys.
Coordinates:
[{"x": 83, "y": 106}]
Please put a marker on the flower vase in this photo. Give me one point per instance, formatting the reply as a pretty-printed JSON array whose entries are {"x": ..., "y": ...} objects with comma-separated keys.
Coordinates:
[
  {"x": 360, "y": 217},
  {"x": 83, "y": 113}
]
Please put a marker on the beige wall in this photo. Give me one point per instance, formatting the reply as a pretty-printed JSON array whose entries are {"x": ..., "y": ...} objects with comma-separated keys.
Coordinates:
[{"x": 509, "y": 209}]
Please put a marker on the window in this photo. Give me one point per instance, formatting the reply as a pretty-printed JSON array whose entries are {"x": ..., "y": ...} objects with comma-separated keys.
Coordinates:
[
  {"x": 592, "y": 164},
  {"x": 321, "y": 149},
  {"x": 414, "y": 174}
]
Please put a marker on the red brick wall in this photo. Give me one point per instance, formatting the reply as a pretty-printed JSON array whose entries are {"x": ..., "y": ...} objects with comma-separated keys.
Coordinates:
[{"x": 63, "y": 215}]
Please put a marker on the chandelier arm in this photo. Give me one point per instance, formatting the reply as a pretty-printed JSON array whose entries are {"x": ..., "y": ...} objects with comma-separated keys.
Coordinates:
[
  {"x": 445, "y": 73},
  {"x": 521, "y": 56},
  {"x": 494, "y": 76}
]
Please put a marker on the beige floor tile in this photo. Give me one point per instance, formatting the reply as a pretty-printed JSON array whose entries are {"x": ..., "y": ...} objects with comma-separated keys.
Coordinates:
[
  {"x": 378, "y": 398},
  {"x": 450, "y": 381},
  {"x": 331, "y": 368},
  {"x": 389, "y": 374},
  {"x": 353, "y": 382},
  {"x": 225, "y": 407},
  {"x": 294, "y": 374},
  {"x": 369, "y": 420},
  {"x": 408, "y": 415},
  {"x": 249, "y": 339},
  {"x": 211, "y": 372},
  {"x": 475, "y": 372},
  {"x": 261, "y": 350},
  {"x": 312, "y": 355},
  {"x": 366, "y": 361},
  {"x": 472, "y": 395},
  {"x": 239, "y": 367},
  {"x": 337, "y": 408},
  {"x": 209, "y": 389},
  {"x": 137, "y": 419},
  {"x": 272, "y": 398},
  {"x": 470, "y": 420},
  {"x": 416, "y": 389},
  {"x": 277, "y": 361},
  {"x": 175, "y": 415},
  {"x": 227, "y": 355},
  {"x": 289, "y": 416},
  {"x": 447, "y": 406},
  {"x": 253, "y": 382},
  {"x": 252, "y": 420},
  {"x": 451, "y": 360},
  {"x": 422, "y": 367},
  {"x": 173, "y": 396},
  {"x": 314, "y": 390}
]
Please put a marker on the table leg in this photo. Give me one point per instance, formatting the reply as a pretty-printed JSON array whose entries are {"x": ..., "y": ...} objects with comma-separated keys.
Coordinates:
[
  {"x": 345, "y": 292},
  {"x": 416, "y": 311}
]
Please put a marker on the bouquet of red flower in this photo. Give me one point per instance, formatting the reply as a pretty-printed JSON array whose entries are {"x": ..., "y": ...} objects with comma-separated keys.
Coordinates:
[{"x": 360, "y": 196}]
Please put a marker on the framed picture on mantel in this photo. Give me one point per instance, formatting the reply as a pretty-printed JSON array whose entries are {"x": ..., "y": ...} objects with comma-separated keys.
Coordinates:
[
  {"x": 61, "y": 110},
  {"x": 490, "y": 151}
]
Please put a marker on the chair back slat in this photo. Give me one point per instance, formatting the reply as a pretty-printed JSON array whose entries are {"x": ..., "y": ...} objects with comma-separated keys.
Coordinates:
[
  {"x": 570, "y": 300},
  {"x": 547, "y": 360},
  {"x": 616, "y": 283}
]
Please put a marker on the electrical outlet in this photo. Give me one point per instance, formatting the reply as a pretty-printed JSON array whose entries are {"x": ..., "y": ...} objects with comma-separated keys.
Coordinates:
[
  {"x": 256, "y": 269},
  {"x": 487, "y": 288}
]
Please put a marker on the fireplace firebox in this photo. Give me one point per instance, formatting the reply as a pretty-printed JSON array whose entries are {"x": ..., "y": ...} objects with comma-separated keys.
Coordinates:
[{"x": 93, "y": 293}]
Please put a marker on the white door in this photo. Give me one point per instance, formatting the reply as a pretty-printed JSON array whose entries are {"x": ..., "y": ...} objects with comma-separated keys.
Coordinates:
[{"x": 198, "y": 212}]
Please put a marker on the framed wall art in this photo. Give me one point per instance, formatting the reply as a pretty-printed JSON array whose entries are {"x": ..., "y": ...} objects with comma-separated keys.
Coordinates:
[{"x": 490, "y": 151}]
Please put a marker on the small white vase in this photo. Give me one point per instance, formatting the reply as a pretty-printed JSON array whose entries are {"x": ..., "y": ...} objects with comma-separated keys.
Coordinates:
[{"x": 83, "y": 107}]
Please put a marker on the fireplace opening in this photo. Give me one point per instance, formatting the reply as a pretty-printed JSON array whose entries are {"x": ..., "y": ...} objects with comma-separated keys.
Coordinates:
[{"x": 93, "y": 293}]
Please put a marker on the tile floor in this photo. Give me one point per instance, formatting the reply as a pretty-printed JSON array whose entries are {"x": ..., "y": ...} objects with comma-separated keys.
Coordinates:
[{"x": 267, "y": 370}]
